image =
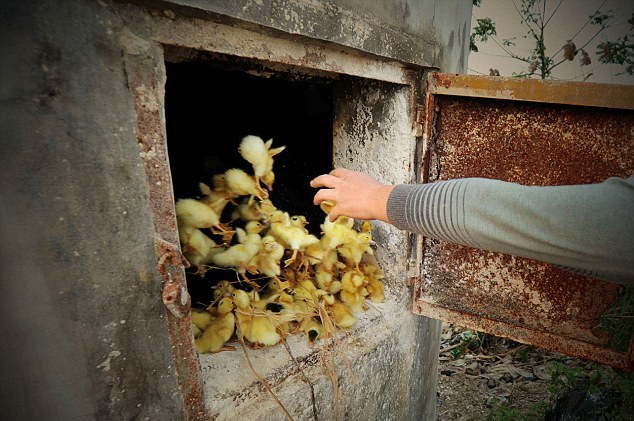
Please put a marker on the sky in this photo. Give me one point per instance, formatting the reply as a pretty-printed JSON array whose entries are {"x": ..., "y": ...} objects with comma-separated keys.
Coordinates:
[{"x": 567, "y": 23}]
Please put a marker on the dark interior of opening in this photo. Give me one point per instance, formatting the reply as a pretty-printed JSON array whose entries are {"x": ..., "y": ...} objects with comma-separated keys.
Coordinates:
[{"x": 211, "y": 105}]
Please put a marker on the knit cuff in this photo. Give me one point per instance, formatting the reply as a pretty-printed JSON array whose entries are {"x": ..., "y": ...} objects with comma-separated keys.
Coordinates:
[{"x": 396, "y": 205}]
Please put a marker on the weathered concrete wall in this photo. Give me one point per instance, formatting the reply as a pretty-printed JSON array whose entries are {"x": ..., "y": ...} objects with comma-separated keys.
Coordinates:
[{"x": 85, "y": 334}]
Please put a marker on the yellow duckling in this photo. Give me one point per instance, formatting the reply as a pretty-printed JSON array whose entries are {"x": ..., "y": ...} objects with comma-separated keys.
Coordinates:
[
  {"x": 239, "y": 183},
  {"x": 218, "y": 197},
  {"x": 255, "y": 325},
  {"x": 260, "y": 155},
  {"x": 374, "y": 276},
  {"x": 197, "y": 247},
  {"x": 247, "y": 210},
  {"x": 366, "y": 226},
  {"x": 353, "y": 250},
  {"x": 314, "y": 254},
  {"x": 223, "y": 288},
  {"x": 342, "y": 315},
  {"x": 200, "y": 320},
  {"x": 267, "y": 260},
  {"x": 313, "y": 330},
  {"x": 219, "y": 330},
  {"x": 336, "y": 233},
  {"x": 196, "y": 214},
  {"x": 239, "y": 255},
  {"x": 353, "y": 290},
  {"x": 307, "y": 291},
  {"x": 291, "y": 235}
]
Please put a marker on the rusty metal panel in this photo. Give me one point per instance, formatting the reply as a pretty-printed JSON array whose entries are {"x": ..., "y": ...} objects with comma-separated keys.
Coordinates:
[
  {"x": 559, "y": 135},
  {"x": 146, "y": 84}
]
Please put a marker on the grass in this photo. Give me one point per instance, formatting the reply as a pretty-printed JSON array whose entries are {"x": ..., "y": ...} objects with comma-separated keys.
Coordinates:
[
  {"x": 619, "y": 320},
  {"x": 610, "y": 390}
]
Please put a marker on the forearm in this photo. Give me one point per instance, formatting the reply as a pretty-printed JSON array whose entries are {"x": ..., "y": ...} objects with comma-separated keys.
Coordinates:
[{"x": 587, "y": 228}]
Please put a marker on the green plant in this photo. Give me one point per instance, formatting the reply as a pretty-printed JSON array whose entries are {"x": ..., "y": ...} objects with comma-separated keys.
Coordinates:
[
  {"x": 619, "y": 320},
  {"x": 610, "y": 390},
  {"x": 502, "y": 411},
  {"x": 564, "y": 378},
  {"x": 535, "y": 17},
  {"x": 471, "y": 341}
]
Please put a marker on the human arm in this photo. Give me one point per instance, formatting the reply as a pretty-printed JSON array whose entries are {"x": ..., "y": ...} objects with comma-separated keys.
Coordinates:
[{"x": 586, "y": 228}]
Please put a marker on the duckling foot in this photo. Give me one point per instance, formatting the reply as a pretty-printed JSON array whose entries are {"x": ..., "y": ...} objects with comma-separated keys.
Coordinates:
[
  {"x": 226, "y": 348},
  {"x": 250, "y": 282},
  {"x": 291, "y": 259},
  {"x": 282, "y": 285},
  {"x": 225, "y": 232}
]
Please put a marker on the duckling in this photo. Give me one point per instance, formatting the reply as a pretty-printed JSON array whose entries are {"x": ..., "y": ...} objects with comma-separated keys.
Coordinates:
[
  {"x": 330, "y": 262},
  {"x": 247, "y": 210},
  {"x": 201, "y": 319},
  {"x": 323, "y": 278},
  {"x": 290, "y": 235},
  {"x": 239, "y": 183},
  {"x": 374, "y": 276},
  {"x": 267, "y": 260},
  {"x": 355, "y": 300},
  {"x": 218, "y": 197},
  {"x": 336, "y": 233},
  {"x": 260, "y": 155},
  {"x": 335, "y": 287},
  {"x": 353, "y": 290},
  {"x": 196, "y": 214},
  {"x": 366, "y": 226},
  {"x": 327, "y": 205},
  {"x": 219, "y": 330},
  {"x": 254, "y": 325},
  {"x": 313, "y": 330},
  {"x": 300, "y": 222},
  {"x": 314, "y": 254},
  {"x": 273, "y": 293},
  {"x": 197, "y": 247},
  {"x": 307, "y": 291},
  {"x": 352, "y": 280},
  {"x": 223, "y": 288},
  {"x": 268, "y": 208},
  {"x": 342, "y": 314},
  {"x": 353, "y": 250},
  {"x": 239, "y": 255}
]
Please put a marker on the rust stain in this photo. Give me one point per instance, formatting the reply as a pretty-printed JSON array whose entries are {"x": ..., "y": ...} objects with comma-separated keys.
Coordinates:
[
  {"x": 534, "y": 90},
  {"x": 441, "y": 80},
  {"x": 144, "y": 85},
  {"x": 529, "y": 143}
]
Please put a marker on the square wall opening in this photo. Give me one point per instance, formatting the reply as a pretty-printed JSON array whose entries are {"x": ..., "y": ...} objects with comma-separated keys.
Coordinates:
[
  {"x": 323, "y": 118},
  {"x": 212, "y": 101}
]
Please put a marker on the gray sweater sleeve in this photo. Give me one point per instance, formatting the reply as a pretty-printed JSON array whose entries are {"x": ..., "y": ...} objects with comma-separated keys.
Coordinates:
[{"x": 587, "y": 229}]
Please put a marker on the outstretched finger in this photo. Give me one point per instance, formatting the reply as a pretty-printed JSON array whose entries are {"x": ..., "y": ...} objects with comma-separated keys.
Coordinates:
[{"x": 324, "y": 180}]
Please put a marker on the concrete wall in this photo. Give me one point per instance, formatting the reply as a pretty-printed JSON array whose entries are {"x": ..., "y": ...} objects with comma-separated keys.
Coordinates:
[{"x": 85, "y": 333}]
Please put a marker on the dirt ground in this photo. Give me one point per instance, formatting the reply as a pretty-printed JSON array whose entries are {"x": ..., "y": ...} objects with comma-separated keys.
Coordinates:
[{"x": 476, "y": 372}]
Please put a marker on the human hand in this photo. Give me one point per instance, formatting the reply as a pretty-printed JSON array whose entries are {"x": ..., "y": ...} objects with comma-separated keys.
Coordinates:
[{"x": 355, "y": 194}]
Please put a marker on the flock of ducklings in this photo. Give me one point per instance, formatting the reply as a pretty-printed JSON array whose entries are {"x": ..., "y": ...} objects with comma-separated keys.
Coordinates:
[{"x": 287, "y": 280}]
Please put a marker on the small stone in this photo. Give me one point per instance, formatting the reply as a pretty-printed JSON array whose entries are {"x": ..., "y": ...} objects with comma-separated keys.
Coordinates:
[
  {"x": 492, "y": 383},
  {"x": 472, "y": 369},
  {"x": 507, "y": 378}
]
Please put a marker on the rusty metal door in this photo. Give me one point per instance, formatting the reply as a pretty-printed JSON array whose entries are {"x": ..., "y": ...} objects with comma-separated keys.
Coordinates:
[{"x": 531, "y": 132}]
